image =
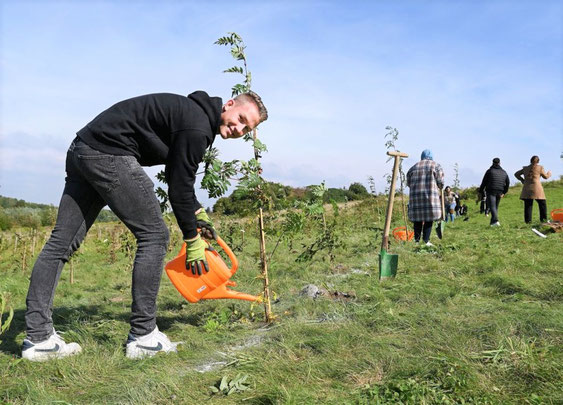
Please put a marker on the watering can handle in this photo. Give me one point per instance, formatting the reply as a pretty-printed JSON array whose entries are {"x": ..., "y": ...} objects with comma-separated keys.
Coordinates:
[
  {"x": 230, "y": 254},
  {"x": 225, "y": 247}
]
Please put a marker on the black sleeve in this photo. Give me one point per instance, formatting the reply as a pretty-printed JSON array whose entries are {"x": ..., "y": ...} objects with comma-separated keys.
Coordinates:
[
  {"x": 506, "y": 183},
  {"x": 185, "y": 154},
  {"x": 484, "y": 182}
]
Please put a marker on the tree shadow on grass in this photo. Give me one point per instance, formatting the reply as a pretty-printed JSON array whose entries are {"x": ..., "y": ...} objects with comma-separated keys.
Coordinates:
[{"x": 64, "y": 318}]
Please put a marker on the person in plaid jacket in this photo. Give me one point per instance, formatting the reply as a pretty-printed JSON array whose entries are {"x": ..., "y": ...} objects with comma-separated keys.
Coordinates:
[{"x": 425, "y": 180}]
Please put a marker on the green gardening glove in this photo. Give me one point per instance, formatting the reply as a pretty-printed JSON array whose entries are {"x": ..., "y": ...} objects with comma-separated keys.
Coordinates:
[
  {"x": 205, "y": 224},
  {"x": 195, "y": 255}
]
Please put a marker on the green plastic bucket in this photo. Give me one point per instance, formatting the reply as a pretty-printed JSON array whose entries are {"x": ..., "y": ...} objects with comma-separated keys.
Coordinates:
[{"x": 387, "y": 265}]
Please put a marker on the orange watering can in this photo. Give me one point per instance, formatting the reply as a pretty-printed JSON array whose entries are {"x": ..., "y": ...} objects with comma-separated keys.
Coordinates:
[
  {"x": 557, "y": 214},
  {"x": 210, "y": 285},
  {"x": 400, "y": 233}
]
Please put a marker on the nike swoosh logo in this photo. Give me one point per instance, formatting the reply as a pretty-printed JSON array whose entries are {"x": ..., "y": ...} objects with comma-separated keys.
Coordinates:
[
  {"x": 53, "y": 349},
  {"x": 154, "y": 348}
]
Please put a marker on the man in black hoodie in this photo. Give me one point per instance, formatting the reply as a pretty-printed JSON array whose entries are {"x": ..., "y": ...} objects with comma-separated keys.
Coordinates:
[
  {"x": 104, "y": 167},
  {"x": 495, "y": 183}
]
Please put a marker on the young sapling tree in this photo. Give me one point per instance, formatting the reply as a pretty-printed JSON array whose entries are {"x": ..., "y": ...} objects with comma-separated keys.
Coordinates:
[
  {"x": 392, "y": 136},
  {"x": 251, "y": 180}
]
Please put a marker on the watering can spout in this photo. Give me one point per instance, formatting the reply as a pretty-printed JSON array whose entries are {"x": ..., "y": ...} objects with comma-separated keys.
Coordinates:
[
  {"x": 222, "y": 292},
  {"x": 210, "y": 285}
]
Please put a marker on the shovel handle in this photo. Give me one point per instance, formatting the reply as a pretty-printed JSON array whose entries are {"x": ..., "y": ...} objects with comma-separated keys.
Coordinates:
[
  {"x": 397, "y": 155},
  {"x": 443, "y": 207}
]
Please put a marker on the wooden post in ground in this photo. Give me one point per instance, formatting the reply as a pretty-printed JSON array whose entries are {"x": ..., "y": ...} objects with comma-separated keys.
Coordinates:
[
  {"x": 404, "y": 208},
  {"x": 71, "y": 271},
  {"x": 263, "y": 258},
  {"x": 33, "y": 239},
  {"x": 264, "y": 269},
  {"x": 397, "y": 155},
  {"x": 24, "y": 255}
]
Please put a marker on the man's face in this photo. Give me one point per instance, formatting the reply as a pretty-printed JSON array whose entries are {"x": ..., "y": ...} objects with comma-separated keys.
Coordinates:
[{"x": 238, "y": 118}]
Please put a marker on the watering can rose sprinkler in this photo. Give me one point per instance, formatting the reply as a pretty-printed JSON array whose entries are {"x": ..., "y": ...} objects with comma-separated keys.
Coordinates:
[
  {"x": 209, "y": 285},
  {"x": 388, "y": 262}
]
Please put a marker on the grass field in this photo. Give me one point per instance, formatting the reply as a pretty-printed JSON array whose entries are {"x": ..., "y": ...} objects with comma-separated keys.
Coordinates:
[{"x": 476, "y": 319}]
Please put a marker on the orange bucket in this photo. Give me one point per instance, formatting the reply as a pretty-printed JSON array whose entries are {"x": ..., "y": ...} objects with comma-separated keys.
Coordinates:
[
  {"x": 557, "y": 214},
  {"x": 400, "y": 233},
  {"x": 210, "y": 285}
]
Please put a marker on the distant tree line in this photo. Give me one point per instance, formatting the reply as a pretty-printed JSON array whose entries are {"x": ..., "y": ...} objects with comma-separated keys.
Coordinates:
[
  {"x": 283, "y": 197},
  {"x": 20, "y": 213}
]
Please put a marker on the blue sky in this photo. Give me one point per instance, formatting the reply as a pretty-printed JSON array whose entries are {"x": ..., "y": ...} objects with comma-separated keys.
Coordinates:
[{"x": 470, "y": 80}]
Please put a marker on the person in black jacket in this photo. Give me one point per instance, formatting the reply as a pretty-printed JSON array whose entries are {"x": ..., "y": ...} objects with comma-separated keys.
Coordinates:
[
  {"x": 104, "y": 167},
  {"x": 495, "y": 183}
]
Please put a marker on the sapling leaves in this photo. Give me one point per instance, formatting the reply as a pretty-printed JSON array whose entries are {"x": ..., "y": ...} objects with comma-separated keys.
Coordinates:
[
  {"x": 3, "y": 306},
  {"x": 217, "y": 173},
  {"x": 234, "y": 69},
  {"x": 239, "y": 89},
  {"x": 228, "y": 387}
]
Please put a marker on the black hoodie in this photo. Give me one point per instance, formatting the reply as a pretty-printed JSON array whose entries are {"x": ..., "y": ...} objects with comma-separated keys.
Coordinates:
[
  {"x": 162, "y": 128},
  {"x": 495, "y": 181}
]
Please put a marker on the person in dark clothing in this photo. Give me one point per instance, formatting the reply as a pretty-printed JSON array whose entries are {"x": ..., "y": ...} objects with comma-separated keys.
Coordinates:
[
  {"x": 495, "y": 183},
  {"x": 104, "y": 167},
  {"x": 458, "y": 205},
  {"x": 482, "y": 198}
]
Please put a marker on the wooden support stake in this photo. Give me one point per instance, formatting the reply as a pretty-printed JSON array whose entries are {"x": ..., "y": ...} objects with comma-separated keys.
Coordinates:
[
  {"x": 33, "y": 240},
  {"x": 24, "y": 254},
  {"x": 71, "y": 271},
  {"x": 264, "y": 270},
  {"x": 397, "y": 155}
]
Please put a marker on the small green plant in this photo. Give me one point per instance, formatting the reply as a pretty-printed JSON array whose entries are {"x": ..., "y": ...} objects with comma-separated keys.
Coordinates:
[
  {"x": 292, "y": 226},
  {"x": 328, "y": 238},
  {"x": 4, "y": 325},
  {"x": 228, "y": 387},
  {"x": 456, "y": 184}
]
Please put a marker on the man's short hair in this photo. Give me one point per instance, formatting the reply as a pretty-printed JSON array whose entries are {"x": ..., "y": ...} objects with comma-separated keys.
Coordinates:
[
  {"x": 496, "y": 161},
  {"x": 254, "y": 98}
]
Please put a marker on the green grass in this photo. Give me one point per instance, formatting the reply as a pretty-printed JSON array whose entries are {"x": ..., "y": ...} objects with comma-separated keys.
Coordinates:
[{"x": 476, "y": 319}]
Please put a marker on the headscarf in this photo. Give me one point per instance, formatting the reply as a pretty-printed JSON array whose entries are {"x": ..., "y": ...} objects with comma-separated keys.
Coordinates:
[{"x": 426, "y": 155}]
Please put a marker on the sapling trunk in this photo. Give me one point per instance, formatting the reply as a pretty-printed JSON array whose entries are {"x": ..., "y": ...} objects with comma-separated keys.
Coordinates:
[
  {"x": 263, "y": 257},
  {"x": 403, "y": 203},
  {"x": 33, "y": 238},
  {"x": 264, "y": 269},
  {"x": 24, "y": 256},
  {"x": 71, "y": 271},
  {"x": 237, "y": 51}
]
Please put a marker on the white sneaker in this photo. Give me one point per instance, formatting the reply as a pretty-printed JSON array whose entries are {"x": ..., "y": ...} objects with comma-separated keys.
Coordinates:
[
  {"x": 496, "y": 224},
  {"x": 149, "y": 345},
  {"x": 52, "y": 348},
  {"x": 429, "y": 244}
]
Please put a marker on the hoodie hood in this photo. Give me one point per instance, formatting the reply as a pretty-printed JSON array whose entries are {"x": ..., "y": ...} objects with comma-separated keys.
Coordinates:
[
  {"x": 211, "y": 106},
  {"x": 426, "y": 155}
]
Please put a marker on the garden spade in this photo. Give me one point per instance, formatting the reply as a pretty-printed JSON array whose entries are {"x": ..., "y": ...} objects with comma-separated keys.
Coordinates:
[
  {"x": 388, "y": 262},
  {"x": 441, "y": 224}
]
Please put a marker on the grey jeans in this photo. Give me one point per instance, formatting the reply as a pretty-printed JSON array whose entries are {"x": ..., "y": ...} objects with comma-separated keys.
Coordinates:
[
  {"x": 493, "y": 201},
  {"x": 93, "y": 180}
]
